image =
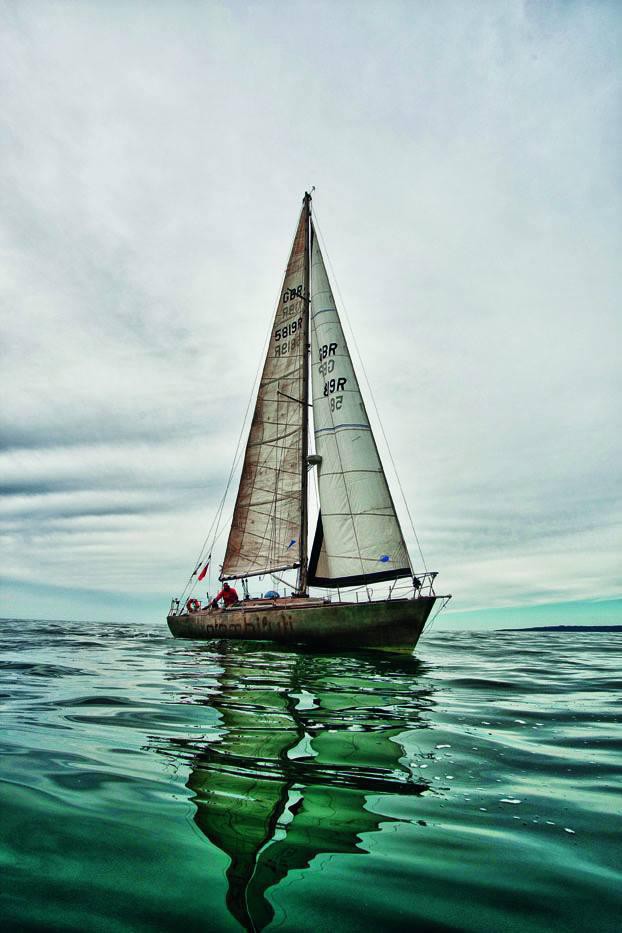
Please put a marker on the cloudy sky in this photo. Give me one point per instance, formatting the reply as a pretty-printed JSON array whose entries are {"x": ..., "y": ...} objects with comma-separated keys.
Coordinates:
[{"x": 466, "y": 158}]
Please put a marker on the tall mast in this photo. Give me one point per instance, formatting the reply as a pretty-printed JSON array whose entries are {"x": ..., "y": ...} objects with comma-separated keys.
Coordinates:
[{"x": 304, "y": 506}]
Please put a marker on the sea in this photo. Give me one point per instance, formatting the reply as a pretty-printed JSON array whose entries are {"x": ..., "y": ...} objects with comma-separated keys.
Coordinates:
[{"x": 151, "y": 784}]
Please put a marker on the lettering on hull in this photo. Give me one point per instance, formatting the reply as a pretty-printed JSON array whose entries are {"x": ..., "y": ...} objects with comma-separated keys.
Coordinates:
[
  {"x": 262, "y": 628},
  {"x": 267, "y": 626}
]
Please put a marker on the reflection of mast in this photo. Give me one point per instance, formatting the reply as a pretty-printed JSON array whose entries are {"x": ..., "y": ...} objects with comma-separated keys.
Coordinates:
[
  {"x": 291, "y": 776},
  {"x": 241, "y": 784}
]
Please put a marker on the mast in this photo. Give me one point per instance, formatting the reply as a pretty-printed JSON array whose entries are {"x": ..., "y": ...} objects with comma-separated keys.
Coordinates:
[{"x": 304, "y": 505}]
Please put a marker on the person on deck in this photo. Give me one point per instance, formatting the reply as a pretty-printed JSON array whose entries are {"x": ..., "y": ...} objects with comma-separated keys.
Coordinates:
[{"x": 228, "y": 595}]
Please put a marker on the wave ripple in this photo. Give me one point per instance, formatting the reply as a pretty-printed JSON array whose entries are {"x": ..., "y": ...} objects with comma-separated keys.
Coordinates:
[{"x": 147, "y": 783}]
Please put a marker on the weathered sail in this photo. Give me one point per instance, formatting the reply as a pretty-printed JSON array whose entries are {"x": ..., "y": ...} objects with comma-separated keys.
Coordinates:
[
  {"x": 266, "y": 529},
  {"x": 358, "y": 537}
]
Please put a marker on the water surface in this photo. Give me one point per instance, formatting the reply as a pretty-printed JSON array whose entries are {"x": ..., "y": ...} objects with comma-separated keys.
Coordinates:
[{"x": 154, "y": 784}]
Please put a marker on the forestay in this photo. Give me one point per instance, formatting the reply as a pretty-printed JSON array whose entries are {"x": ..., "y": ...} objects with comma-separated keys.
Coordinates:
[
  {"x": 266, "y": 529},
  {"x": 358, "y": 537}
]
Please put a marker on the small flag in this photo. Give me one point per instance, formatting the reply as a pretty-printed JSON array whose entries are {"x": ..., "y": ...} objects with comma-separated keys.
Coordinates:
[
  {"x": 291, "y": 543},
  {"x": 204, "y": 571},
  {"x": 383, "y": 559}
]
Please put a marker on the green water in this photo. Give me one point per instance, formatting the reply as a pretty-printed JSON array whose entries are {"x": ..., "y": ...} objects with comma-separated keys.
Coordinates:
[{"x": 153, "y": 784}]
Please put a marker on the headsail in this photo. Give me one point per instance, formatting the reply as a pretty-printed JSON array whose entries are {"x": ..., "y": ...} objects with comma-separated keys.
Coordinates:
[
  {"x": 358, "y": 537},
  {"x": 266, "y": 533}
]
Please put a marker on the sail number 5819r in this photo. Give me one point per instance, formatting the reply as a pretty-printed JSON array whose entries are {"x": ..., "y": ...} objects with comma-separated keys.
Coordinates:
[{"x": 282, "y": 333}]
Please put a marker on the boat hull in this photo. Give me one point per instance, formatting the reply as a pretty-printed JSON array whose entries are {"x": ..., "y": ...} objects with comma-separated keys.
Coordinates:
[{"x": 394, "y": 624}]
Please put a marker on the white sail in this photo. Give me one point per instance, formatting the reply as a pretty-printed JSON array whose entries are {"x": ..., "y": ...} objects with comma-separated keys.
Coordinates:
[
  {"x": 266, "y": 529},
  {"x": 358, "y": 538}
]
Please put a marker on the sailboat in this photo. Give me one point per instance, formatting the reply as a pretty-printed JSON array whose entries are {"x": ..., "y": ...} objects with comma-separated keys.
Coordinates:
[{"x": 358, "y": 540}]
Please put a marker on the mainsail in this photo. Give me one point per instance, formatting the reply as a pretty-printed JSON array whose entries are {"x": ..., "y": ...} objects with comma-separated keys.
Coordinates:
[
  {"x": 358, "y": 537},
  {"x": 267, "y": 531}
]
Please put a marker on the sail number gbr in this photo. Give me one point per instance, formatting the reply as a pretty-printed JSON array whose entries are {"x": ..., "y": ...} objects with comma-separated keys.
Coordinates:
[{"x": 290, "y": 294}]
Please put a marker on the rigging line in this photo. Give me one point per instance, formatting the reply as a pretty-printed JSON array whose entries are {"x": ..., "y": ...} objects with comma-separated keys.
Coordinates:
[
  {"x": 214, "y": 527},
  {"x": 371, "y": 394},
  {"x": 280, "y": 579},
  {"x": 429, "y": 624}
]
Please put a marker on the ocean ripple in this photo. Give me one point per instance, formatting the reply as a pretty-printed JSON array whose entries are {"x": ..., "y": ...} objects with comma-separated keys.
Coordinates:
[{"x": 148, "y": 783}]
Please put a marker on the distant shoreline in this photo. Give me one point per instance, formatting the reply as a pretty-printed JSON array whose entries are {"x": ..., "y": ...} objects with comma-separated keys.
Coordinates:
[{"x": 565, "y": 628}]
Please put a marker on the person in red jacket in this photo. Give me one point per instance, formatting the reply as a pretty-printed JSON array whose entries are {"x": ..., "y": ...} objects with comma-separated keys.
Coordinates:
[{"x": 228, "y": 595}]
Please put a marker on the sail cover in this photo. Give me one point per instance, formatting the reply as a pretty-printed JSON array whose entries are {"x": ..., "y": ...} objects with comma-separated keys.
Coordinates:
[
  {"x": 358, "y": 537},
  {"x": 266, "y": 527}
]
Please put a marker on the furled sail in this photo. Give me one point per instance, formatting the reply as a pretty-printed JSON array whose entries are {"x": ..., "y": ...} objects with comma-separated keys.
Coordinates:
[
  {"x": 358, "y": 537},
  {"x": 266, "y": 528}
]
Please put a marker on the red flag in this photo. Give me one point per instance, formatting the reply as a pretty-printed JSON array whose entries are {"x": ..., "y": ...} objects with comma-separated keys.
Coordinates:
[{"x": 203, "y": 572}]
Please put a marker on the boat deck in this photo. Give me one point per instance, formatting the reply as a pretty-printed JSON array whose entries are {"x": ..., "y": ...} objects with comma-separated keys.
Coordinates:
[{"x": 284, "y": 602}]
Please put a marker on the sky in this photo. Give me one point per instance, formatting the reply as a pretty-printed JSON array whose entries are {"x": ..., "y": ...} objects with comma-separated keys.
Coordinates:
[{"x": 466, "y": 160}]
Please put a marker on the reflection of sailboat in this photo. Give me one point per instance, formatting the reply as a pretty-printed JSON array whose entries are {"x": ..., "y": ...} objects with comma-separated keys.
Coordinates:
[
  {"x": 307, "y": 743},
  {"x": 358, "y": 539}
]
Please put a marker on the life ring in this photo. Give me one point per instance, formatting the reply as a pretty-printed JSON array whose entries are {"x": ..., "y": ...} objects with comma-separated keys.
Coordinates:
[{"x": 193, "y": 605}]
